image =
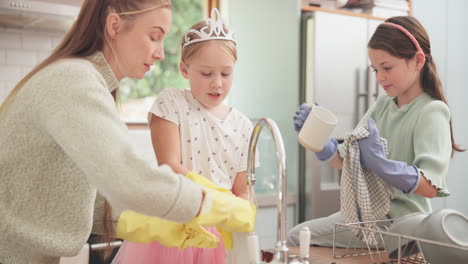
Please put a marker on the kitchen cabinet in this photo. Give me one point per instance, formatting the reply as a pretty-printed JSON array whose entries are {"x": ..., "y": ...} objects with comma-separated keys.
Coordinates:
[{"x": 336, "y": 74}]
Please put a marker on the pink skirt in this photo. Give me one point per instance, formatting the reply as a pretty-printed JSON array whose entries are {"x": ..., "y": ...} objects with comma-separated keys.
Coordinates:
[{"x": 155, "y": 253}]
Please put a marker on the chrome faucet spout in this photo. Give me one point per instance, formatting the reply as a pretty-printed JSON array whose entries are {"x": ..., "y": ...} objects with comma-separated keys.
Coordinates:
[{"x": 281, "y": 250}]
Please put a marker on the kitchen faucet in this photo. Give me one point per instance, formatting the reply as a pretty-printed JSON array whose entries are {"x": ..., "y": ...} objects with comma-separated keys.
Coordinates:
[{"x": 281, "y": 250}]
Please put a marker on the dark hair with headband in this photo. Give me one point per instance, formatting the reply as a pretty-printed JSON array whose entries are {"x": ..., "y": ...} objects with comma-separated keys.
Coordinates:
[{"x": 403, "y": 37}]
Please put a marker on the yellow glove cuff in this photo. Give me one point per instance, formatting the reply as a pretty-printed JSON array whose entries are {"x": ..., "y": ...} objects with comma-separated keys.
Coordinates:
[{"x": 139, "y": 228}]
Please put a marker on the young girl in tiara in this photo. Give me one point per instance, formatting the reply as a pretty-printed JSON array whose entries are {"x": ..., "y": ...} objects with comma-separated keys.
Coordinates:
[
  {"x": 193, "y": 130},
  {"x": 413, "y": 117}
]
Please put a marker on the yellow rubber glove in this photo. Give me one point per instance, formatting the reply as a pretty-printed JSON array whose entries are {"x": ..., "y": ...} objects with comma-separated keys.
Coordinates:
[
  {"x": 223, "y": 209},
  {"x": 198, "y": 236},
  {"x": 226, "y": 236},
  {"x": 141, "y": 228},
  {"x": 226, "y": 211}
]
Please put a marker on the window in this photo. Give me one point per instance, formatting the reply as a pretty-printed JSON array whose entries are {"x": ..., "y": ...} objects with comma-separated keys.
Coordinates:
[{"x": 137, "y": 96}]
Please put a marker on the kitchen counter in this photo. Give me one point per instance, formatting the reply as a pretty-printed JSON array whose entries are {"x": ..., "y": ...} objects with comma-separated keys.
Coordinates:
[{"x": 324, "y": 255}]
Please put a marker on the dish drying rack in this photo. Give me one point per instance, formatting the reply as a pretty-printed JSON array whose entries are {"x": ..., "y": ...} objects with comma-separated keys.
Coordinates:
[{"x": 373, "y": 233}]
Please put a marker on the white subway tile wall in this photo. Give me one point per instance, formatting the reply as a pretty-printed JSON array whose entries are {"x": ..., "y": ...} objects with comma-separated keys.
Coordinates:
[
  {"x": 20, "y": 51},
  {"x": 20, "y": 57},
  {"x": 36, "y": 41},
  {"x": 10, "y": 39},
  {"x": 10, "y": 73}
]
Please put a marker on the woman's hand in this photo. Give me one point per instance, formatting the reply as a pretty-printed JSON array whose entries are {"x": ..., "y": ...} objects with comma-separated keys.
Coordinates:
[{"x": 300, "y": 117}]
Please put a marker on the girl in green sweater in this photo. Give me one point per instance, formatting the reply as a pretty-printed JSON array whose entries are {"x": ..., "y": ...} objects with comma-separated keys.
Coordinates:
[{"x": 413, "y": 117}]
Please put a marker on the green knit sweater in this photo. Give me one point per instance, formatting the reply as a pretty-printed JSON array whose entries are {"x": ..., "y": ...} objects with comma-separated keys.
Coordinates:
[
  {"x": 417, "y": 133},
  {"x": 61, "y": 140}
]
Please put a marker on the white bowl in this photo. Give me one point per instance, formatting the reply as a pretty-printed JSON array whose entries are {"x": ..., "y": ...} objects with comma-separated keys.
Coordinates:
[
  {"x": 447, "y": 226},
  {"x": 406, "y": 225}
]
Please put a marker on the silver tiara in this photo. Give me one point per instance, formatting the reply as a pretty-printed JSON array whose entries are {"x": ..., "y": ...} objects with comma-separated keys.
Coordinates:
[{"x": 214, "y": 29}]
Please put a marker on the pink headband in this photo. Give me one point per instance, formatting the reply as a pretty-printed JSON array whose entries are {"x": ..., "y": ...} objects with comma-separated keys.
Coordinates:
[{"x": 407, "y": 33}]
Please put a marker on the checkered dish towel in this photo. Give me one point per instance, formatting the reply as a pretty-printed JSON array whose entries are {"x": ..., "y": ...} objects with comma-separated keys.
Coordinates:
[{"x": 364, "y": 196}]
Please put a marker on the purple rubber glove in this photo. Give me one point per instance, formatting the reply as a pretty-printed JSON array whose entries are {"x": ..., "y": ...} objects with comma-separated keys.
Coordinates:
[
  {"x": 300, "y": 117},
  {"x": 396, "y": 173},
  {"x": 328, "y": 150}
]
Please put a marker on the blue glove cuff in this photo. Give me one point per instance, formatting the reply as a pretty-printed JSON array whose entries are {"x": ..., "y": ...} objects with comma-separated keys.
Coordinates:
[
  {"x": 411, "y": 182},
  {"x": 398, "y": 174},
  {"x": 417, "y": 180},
  {"x": 328, "y": 150}
]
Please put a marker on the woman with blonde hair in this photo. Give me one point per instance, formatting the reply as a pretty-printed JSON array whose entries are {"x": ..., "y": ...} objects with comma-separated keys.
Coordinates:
[{"x": 62, "y": 140}]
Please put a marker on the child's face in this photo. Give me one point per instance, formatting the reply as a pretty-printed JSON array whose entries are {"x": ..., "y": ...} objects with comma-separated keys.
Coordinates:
[
  {"x": 140, "y": 44},
  {"x": 397, "y": 76},
  {"x": 210, "y": 74}
]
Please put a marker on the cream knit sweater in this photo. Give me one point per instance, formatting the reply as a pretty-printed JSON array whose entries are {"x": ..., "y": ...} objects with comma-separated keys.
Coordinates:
[{"x": 61, "y": 139}]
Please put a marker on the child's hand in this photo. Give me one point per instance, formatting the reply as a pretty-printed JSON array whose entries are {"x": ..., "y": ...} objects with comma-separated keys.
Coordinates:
[
  {"x": 396, "y": 173},
  {"x": 300, "y": 116},
  {"x": 371, "y": 148}
]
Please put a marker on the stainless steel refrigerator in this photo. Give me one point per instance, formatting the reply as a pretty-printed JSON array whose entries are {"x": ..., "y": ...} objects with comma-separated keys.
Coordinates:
[{"x": 335, "y": 73}]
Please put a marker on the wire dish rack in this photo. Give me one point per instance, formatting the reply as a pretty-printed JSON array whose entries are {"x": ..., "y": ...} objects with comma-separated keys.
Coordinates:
[{"x": 375, "y": 235}]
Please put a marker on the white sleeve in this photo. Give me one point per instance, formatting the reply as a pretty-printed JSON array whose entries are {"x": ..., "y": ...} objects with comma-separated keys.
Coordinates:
[{"x": 167, "y": 105}]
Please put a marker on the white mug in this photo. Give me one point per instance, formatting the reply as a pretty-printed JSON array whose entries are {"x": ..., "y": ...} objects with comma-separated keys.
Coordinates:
[{"x": 317, "y": 128}]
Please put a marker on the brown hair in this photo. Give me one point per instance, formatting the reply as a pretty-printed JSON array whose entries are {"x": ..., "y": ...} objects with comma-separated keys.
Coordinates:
[
  {"x": 189, "y": 51},
  {"x": 86, "y": 36},
  {"x": 398, "y": 44}
]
